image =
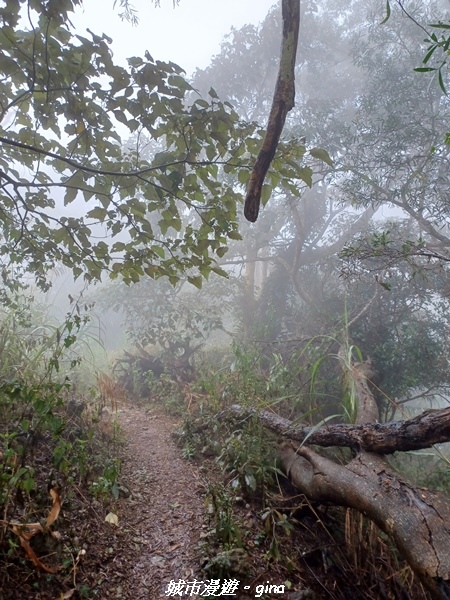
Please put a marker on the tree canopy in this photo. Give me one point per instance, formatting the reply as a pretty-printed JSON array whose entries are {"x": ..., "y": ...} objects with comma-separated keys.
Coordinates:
[
  {"x": 336, "y": 299},
  {"x": 309, "y": 262},
  {"x": 106, "y": 168}
]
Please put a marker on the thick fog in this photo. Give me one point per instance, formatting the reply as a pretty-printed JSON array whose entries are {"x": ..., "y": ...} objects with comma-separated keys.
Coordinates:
[
  {"x": 294, "y": 355},
  {"x": 352, "y": 238}
]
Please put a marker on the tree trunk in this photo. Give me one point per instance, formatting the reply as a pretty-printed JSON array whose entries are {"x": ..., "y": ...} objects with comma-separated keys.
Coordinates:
[
  {"x": 283, "y": 102},
  {"x": 416, "y": 519},
  {"x": 423, "y": 431}
]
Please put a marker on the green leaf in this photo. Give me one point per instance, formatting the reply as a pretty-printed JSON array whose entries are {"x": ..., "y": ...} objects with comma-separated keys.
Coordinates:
[
  {"x": 441, "y": 82},
  {"x": 265, "y": 193},
  {"x": 243, "y": 176},
  {"x": 388, "y": 13},
  {"x": 159, "y": 251},
  {"x": 135, "y": 61},
  {"x": 70, "y": 195},
  {"x": 163, "y": 158},
  {"x": 221, "y": 251},
  {"x": 205, "y": 271},
  {"x": 29, "y": 484},
  {"x": 180, "y": 82},
  {"x": 440, "y": 25},
  {"x": 234, "y": 235},
  {"x": 322, "y": 155},
  {"x": 220, "y": 271},
  {"x": 429, "y": 54},
  {"x": 98, "y": 213},
  {"x": 318, "y": 426},
  {"x": 197, "y": 281},
  {"x": 305, "y": 174},
  {"x": 201, "y": 103},
  {"x": 120, "y": 116}
]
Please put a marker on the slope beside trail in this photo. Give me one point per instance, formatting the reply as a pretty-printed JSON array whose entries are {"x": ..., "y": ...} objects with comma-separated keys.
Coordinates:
[{"x": 163, "y": 513}]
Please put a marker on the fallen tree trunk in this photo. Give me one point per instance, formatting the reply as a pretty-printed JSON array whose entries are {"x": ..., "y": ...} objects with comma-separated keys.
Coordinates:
[
  {"x": 417, "y": 520},
  {"x": 423, "y": 431}
]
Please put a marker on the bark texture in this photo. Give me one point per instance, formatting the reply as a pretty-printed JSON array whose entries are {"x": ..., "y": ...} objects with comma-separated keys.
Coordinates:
[
  {"x": 283, "y": 102},
  {"x": 416, "y": 519},
  {"x": 423, "y": 431}
]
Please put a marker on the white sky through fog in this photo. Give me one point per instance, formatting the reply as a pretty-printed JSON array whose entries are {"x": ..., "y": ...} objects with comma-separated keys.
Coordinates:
[{"x": 189, "y": 34}]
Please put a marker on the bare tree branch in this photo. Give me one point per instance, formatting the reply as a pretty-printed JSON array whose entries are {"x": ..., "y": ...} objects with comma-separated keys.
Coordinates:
[{"x": 283, "y": 102}]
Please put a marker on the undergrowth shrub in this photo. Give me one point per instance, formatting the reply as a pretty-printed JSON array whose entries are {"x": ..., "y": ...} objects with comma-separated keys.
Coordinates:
[
  {"x": 428, "y": 468},
  {"x": 343, "y": 549},
  {"x": 249, "y": 458},
  {"x": 48, "y": 433}
]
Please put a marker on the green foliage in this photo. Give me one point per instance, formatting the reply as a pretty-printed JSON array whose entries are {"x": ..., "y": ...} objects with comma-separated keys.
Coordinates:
[
  {"x": 276, "y": 523},
  {"x": 246, "y": 455},
  {"x": 250, "y": 460},
  {"x": 14, "y": 478},
  {"x": 437, "y": 46},
  {"x": 63, "y": 102},
  {"x": 229, "y": 563},
  {"x": 230, "y": 559},
  {"x": 252, "y": 378},
  {"x": 219, "y": 505},
  {"x": 175, "y": 320},
  {"x": 45, "y": 439},
  {"x": 388, "y": 13},
  {"x": 437, "y": 478},
  {"x": 169, "y": 393},
  {"x": 429, "y": 469},
  {"x": 106, "y": 485},
  {"x": 245, "y": 382},
  {"x": 243, "y": 450}
]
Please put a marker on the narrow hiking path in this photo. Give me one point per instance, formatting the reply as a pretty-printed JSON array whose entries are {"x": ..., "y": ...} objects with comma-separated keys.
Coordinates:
[
  {"x": 160, "y": 531},
  {"x": 162, "y": 519},
  {"x": 163, "y": 513}
]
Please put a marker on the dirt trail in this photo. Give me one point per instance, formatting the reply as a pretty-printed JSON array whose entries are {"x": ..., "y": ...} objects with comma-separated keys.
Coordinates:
[{"x": 164, "y": 512}]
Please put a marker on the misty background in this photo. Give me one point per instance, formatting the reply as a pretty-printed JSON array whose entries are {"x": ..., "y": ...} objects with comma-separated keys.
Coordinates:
[
  {"x": 322, "y": 258},
  {"x": 135, "y": 296}
]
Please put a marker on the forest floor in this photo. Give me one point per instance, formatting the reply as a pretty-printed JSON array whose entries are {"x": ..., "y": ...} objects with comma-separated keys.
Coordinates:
[
  {"x": 164, "y": 521},
  {"x": 167, "y": 532},
  {"x": 159, "y": 531},
  {"x": 163, "y": 514},
  {"x": 163, "y": 529}
]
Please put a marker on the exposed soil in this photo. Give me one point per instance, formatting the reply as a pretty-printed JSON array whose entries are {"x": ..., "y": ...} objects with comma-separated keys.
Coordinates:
[
  {"x": 165, "y": 509},
  {"x": 167, "y": 514},
  {"x": 164, "y": 520},
  {"x": 160, "y": 514},
  {"x": 163, "y": 530}
]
